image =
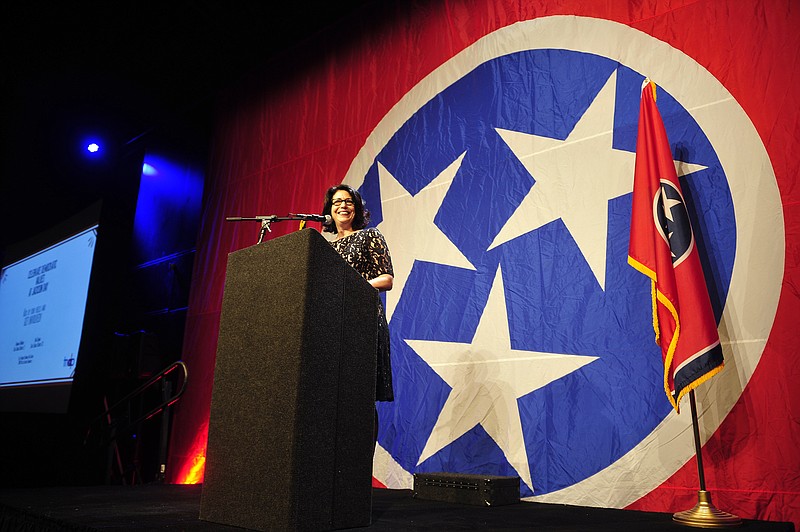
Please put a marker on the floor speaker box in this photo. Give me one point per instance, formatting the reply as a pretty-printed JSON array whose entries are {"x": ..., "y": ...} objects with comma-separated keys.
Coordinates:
[{"x": 479, "y": 490}]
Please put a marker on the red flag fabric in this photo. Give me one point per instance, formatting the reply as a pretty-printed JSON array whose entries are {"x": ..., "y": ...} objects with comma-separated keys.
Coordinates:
[{"x": 662, "y": 247}]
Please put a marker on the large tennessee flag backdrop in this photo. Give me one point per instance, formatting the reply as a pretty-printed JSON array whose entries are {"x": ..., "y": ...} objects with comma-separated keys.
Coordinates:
[{"x": 494, "y": 144}]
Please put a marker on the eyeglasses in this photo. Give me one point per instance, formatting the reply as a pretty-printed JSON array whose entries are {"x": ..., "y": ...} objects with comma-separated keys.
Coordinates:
[{"x": 339, "y": 201}]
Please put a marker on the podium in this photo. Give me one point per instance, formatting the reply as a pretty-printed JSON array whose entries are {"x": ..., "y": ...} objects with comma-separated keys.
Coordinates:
[{"x": 290, "y": 438}]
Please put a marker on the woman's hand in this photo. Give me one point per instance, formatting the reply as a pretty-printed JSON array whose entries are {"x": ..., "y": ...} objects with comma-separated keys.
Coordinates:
[{"x": 382, "y": 283}]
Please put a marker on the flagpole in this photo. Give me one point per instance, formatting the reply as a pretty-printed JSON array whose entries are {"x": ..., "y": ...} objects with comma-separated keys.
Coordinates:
[{"x": 704, "y": 514}]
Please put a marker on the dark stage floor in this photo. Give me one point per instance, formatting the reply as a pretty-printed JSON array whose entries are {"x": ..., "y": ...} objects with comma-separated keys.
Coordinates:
[{"x": 176, "y": 507}]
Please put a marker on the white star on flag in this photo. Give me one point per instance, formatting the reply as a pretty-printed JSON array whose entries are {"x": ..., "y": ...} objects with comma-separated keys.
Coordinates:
[
  {"x": 409, "y": 229},
  {"x": 487, "y": 377},
  {"x": 575, "y": 179}
]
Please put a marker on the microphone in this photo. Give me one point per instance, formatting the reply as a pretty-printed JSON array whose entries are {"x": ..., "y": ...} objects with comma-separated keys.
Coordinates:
[{"x": 324, "y": 218}]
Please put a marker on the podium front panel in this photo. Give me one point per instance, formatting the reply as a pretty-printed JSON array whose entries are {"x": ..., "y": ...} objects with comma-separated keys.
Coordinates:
[{"x": 292, "y": 414}]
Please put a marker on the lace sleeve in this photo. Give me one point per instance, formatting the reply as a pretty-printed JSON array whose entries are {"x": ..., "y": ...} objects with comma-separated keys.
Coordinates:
[{"x": 379, "y": 253}]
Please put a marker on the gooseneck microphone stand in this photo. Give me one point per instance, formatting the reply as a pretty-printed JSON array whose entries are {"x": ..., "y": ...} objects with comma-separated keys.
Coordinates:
[{"x": 266, "y": 220}]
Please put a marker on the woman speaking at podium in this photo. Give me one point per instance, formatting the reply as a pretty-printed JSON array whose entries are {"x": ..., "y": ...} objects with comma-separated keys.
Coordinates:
[{"x": 367, "y": 252}]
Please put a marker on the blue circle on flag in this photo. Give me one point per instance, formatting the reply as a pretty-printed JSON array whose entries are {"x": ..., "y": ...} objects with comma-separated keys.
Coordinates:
[
  {"x": 673, "y": 221},
  {"x": 579, "y": 424}
]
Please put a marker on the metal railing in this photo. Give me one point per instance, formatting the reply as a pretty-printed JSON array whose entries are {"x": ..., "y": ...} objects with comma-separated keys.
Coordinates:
[{"x": 114, "y": 422}]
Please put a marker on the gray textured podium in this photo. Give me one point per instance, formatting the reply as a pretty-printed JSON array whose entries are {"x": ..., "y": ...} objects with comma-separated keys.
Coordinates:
[{"x": 290, "y": 437}]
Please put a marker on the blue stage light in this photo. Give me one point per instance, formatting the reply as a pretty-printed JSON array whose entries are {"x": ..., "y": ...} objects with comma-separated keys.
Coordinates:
[
  {"x": 169, "y": 202},
  {"x": 148, "y": 169},
  {"x": 93, "y": 147}
]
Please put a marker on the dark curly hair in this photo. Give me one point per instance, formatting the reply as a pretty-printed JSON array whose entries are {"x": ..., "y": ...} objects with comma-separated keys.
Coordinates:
[{"x": 361, "y": 218}]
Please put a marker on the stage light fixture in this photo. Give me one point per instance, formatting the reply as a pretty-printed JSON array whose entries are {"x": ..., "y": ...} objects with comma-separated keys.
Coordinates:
[{"x": 93, "y": 147}]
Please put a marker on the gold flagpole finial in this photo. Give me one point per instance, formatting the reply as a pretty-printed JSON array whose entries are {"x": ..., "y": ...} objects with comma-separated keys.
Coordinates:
[{"x": 648, "y": 81}]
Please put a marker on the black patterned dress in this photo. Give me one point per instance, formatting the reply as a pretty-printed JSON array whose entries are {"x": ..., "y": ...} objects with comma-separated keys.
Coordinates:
[{"x": 367, "y": 252}]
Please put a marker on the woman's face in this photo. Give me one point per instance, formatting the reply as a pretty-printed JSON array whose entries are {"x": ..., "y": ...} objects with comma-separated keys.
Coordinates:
[{"x": 342, "y": 209}]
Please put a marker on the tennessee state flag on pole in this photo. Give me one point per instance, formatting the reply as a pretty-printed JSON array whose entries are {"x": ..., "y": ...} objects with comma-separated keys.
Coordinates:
[{"x": 662, "y": 246}]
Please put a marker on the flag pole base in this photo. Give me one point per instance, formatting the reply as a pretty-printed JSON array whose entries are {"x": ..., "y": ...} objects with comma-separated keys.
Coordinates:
[{"x": 704, "y": 515}]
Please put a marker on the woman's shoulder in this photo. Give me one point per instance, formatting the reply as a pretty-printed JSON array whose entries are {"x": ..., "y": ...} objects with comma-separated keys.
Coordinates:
[
  {"x": 368, "y": 233},
  {"x": 372, "y": 232}
]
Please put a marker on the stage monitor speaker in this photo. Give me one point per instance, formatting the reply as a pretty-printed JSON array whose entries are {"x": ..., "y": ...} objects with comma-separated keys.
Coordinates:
[
  {"x": 290, "y": 437},
  {"x": 478, "y": 490}
]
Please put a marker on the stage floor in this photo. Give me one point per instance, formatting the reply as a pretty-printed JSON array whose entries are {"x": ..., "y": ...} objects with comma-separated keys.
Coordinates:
[{"x": 177, "y": 507}]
